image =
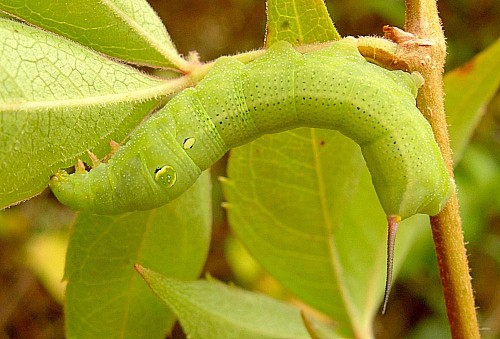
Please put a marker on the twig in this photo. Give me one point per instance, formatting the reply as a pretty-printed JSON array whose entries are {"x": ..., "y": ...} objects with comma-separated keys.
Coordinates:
[{"x": 422, "y": 20}]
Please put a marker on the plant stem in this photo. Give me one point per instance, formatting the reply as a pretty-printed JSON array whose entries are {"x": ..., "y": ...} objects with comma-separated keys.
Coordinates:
[{"x": 423, "y": 21}]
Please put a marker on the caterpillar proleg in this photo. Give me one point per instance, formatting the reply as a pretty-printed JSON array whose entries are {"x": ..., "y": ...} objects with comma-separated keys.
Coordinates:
[{"x": 333, "y": 88}]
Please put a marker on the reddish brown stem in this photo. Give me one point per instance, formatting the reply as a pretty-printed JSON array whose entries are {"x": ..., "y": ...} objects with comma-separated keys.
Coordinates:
[{"x": 423, "y": 21}]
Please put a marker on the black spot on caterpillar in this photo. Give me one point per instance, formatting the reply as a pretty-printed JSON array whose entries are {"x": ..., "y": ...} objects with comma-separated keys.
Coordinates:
[{"x": 334, "y": 88}]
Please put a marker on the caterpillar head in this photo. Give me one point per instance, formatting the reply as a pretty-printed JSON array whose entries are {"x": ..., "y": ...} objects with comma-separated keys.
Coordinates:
[
  {"x": 132, "y": 185},
  {"x": 75, "y": 192}
]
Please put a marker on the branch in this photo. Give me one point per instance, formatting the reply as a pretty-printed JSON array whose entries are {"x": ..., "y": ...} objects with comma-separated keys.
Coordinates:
[{"x": 426, "y": 54}]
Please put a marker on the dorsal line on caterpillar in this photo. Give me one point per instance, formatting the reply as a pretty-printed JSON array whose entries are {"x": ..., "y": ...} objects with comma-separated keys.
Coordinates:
[{"x": 378, "y": 50}]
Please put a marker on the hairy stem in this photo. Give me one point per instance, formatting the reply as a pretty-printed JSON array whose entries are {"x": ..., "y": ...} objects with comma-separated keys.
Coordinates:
[{"x": 428, "y": 58}]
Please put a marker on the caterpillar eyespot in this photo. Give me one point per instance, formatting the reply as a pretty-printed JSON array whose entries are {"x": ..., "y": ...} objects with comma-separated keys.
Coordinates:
[
  {"x": 166, "y": 176},
  {"x": 333, "y": 88},
  {"x": 188, "y": 143}
]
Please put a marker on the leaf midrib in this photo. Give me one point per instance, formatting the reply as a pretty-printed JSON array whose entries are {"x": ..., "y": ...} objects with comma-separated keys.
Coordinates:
[
  {"x": 327, "y": 221},
  {"x": 161, "y": 89}
]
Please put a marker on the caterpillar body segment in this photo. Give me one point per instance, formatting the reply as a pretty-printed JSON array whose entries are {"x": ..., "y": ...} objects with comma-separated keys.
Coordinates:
[{"x": 334, "y": 88}]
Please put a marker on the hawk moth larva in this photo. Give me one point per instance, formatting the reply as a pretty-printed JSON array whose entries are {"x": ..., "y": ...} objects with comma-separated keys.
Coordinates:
[{"x": 333, "y": 88}]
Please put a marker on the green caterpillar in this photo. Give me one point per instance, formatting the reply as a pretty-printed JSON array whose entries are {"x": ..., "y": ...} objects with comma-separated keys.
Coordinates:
[{"x": 334, "y": 88}]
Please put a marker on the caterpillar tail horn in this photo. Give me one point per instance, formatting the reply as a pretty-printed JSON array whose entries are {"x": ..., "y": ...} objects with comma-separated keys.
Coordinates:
[{"x": 392, "y": 228}]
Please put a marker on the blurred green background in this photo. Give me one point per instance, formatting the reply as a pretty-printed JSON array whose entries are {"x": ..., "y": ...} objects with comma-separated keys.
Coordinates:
[{"x": 33, "y": 235}]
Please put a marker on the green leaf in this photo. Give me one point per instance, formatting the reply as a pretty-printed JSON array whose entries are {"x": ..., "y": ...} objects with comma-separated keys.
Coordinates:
[
  {"x": 290, "y": 218},
  {"x": 128, "y": 30},
  {"x": 468, "y": 89},
  {"x": 210, "y": 309},
  {"x": 105, "y": 297},
  {"x": 299, "y": 22},
  {"x": 303, "y": 204},
  {"x": 58, "y": 99}
]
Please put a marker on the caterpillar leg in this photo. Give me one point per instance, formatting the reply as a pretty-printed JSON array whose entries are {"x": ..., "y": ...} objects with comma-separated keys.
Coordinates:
[
  {"x": 95, "y": 160},
  {"x": 79, "y": 167},
  {"x": 114, "y": 148}
]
